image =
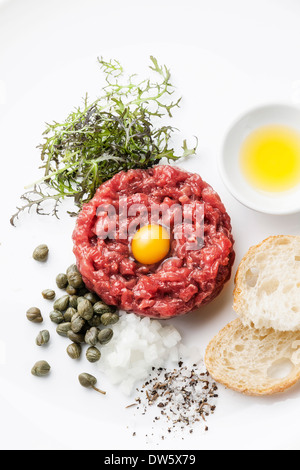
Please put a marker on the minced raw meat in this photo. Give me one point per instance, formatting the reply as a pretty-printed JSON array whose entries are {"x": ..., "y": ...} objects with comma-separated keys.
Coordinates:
[{"x": 186, "y": 279}]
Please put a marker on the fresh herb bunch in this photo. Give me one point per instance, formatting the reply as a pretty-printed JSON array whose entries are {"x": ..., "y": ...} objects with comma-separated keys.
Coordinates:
[{"x": 114, "y": 133}]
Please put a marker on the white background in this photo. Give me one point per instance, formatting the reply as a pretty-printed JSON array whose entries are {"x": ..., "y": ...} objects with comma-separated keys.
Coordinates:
[{"x": 225, "y": 57}]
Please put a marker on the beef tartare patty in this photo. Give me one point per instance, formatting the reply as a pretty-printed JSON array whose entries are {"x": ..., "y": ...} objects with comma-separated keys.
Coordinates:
[{"x": 185, "y": 279}]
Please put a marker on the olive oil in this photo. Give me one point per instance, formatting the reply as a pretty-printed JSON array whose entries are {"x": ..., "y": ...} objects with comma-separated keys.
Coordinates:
[{"x": 270, "y": 158}]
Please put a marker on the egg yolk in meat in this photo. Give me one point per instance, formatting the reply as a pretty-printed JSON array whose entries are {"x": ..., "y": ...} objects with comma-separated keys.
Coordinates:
[{"x": 151, "y": 244}]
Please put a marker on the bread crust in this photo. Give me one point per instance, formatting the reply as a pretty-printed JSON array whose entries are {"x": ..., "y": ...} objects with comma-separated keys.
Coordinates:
[
  {"x": 238, "y": 289},
  {"x": 219, "y": 374},
  {"x": 265, "y": 347}
]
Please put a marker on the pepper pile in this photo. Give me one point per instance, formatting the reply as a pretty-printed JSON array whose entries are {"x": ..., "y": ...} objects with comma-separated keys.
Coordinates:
[{"x": 185, "y": 397}]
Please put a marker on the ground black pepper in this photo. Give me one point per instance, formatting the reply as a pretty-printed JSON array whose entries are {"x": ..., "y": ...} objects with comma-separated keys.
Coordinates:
[{"x": 184, "y": 397}]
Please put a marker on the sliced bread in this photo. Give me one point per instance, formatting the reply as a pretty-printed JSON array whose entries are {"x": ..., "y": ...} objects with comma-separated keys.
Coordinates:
[
  {"x": 267, "y": 285},
  {"x": 248, "y": 361}
]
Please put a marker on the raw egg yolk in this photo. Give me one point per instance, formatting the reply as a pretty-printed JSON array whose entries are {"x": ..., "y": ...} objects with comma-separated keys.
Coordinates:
[{"x": 151, "y": 244}]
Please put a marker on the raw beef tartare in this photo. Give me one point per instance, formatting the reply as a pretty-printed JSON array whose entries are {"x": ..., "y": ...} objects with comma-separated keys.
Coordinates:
[{"x": 186, "y": 278}]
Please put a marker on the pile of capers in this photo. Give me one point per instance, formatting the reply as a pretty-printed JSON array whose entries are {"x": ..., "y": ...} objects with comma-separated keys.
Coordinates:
[{"x": 80, "y": 315}]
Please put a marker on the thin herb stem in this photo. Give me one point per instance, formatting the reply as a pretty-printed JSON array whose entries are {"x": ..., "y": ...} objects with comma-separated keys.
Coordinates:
[{"x": 111, "y": 134}]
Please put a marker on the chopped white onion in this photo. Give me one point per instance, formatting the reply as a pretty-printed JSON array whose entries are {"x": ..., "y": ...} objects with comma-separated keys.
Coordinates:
[{"x": 138, "y": 345}]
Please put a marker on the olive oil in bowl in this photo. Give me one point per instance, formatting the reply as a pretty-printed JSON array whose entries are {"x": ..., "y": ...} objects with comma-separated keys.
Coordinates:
[{"x": 270, "y": 158}]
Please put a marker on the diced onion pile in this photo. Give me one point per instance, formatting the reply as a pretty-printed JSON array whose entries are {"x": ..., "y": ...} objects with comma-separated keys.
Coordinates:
[{"x": 138, "y": 345}]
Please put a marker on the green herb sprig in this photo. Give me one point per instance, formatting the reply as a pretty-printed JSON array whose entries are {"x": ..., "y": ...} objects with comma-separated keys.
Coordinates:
[{"x": 116, "y": 132}]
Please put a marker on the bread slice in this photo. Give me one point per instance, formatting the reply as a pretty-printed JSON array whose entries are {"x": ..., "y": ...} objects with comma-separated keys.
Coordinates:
[
  {"x": 267, "y": 285},
  {"x": 248, "y": 361}
]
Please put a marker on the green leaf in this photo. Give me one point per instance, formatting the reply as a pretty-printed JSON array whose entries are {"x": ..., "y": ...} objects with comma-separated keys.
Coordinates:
[{"x": 99, "y": 139}]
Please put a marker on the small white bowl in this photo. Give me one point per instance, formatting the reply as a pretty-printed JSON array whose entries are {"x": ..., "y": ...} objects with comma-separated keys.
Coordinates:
[{"x": 287, "y": 202}]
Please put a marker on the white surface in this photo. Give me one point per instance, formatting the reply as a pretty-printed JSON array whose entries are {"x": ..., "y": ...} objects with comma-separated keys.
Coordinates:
[
  {"x": 225, "y": 58},
  {"x": 281, "y": 203}
]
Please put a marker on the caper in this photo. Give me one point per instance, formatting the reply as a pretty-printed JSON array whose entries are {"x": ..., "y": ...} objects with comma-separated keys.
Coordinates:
[
  {"x": 75, "y": 337},
  {"x": 42, "y": 338},
  {"x": 114, "y": 318},
  {"x": 72, "y": 269},
  {"x": 34, "y": 315},
  {"x": 100, "y": 308},
  {"x": 62, "y": 303},
  {"x": 95, "y": 320},
  {"x": 40, "y": 369},
  {"x": 75, "y": 315},
  {"x": 85, "y": 309},
  {"x": 93, "y": 298},
  {"x": 75, "y": 279},
  {"x": 105, "y": 335},
  {"x": 71, "y": 290},
  {"x": 91, "y": 336},
  {"x": 61, "y": 281},
  {"x": 93, "y": 354},
  {"x": 40, "y": 253},
  {"x": 74, "y": 350},
  {"x": 109, "y": 318},
  {"x": 48, "y": 294},
  {"x": 89, "y": 381},
  {"x": 105, "y": 318},
  {"x": 69, "y": 313},
  {"x": 57, "y": 317},
  {"x": 77, "y": 324},
  {"x": 73, "y": 301},
  {"x": 63, "y": 328}
]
